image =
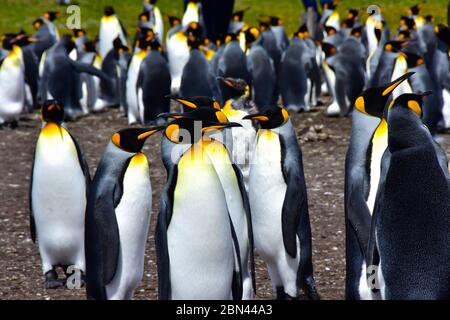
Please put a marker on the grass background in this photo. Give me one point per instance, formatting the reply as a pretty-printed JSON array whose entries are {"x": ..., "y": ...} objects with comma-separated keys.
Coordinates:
[{"x": 16, "y": 14}]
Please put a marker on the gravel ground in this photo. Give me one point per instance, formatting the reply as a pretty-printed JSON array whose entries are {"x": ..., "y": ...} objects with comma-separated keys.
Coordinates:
[{"x": 324, "y": 143}]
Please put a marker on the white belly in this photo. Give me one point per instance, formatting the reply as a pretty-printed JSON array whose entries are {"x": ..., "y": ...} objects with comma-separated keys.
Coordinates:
[
  {"x": 12, "y": 87},
  {"x": 199, "y": 237},
  {"x": 131, "y": 91},
  {"x": 400, "y": 68},
  {"x": 178, "y": 54},
  {"x": 133, "y": 218},
  {"x": 446, "y": 108},
  {"x": 59, "y": 202},
  {"x": 109, "y": 30},
  {"x": 267, "y": 190}
]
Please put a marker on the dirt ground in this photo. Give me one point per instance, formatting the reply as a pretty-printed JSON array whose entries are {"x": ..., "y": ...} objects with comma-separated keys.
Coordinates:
[{"x": 323, "y": 141}]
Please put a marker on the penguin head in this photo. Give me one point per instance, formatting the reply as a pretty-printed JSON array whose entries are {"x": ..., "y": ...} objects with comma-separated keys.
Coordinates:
[
  {"x": 238, "y": 16},
  {"x": 118, "y": 46},
  {"x": 404, "y": 34},
  {"x": 331, "y": 31},
  {"x": 352, "y": 14},
  {"x": 413, "y": 60},
  {"x": 22, "y": 39},
  {"x": 271, "y": 118},
  {"x": 429, "y": 18},
  {"x": 79, "y": 33},
  {"x": 133, "y": 139},
  {"x": 330, "y": 5},
  {"x": 395, "y": 45},
  {"x": 348, "y": 23},
  {"x": 190, "y": 127},
  {"x": 109, "y": 11},
  {"x": 148, "y": 35},
  {"x": 415, "y": 10},
  {"x": 407, "y": 23},
  {"x": 275, "y": 21},
  {"x": 174, "y": 21},
  {"x": 6, "y": 40},
  {"x": 357, "y": 31},
  {"x": 38, "y": 23},
  {"x": 150, "y": 1},
  {"x": 237, "y": 86},
  {"x": 406, "y": 128},
  {"x": 196, "y": 102},
  {"x": 144, "y": 16},
  {"x": 302, "y": 32},
  {"x": 329, "y": 49},
  {"x": 411, "y": 101},
  {"x": 251, "y": 35},
  {"x": 442, "y": 33},
  {"x": 52, "y": 15},
  {"x": 373, "y": 100},
  {"x": 231, "y": 37},
  {"x": 52, "y": 111}
]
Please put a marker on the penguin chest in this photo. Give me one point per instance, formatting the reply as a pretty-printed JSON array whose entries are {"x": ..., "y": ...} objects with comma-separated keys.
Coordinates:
[
  {"x": 133, "y": 215},
  {"x": 400, "y": 68},
  {"x": 267, "y": 187},
  {"x": 110, "y": 28},
  {"x": 199, "y": 236},
  {"x": 379, "y": 146},
  {"x": 58, "y": 189},
  {"x": 131, "y": 85}
]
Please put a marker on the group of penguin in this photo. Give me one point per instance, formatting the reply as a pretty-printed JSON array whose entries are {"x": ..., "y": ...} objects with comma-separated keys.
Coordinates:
[{"x": 235, "y": 179}]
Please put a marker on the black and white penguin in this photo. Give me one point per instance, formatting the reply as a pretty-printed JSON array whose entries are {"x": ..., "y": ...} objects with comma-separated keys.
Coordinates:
[
  {"x": 195, "y": 202},
  {"x": 279, "y": 205},
  {"x": 58, "y": 194},
  {"x": 118, "y": 217},
  {"x": 412, "y": 256},
  {"x": 12, "y": 81},
  {"x": 368, "y": 143},
  {"x": 110, "y": 27},
  {"x": 232, "y": 63},
  {"x": 198, "y": 78},
  {"x": 237, "y": 22},
  {"x": 262, "y": 70},
  {"x": 153, "y": 84},
  {"x": 155, "y": 18},
  {"x": 61, "y": 77}
]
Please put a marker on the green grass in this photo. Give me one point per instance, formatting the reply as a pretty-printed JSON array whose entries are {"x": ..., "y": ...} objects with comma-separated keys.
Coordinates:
[{"x": 16, "y": 14}]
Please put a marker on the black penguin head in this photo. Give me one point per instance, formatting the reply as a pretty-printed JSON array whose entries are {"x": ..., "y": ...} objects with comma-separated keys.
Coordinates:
[
  {"x": 150, "y": 1},
  {"x": 195, "y": 43},
  {"x": 373, "y": 100},
  {"x": 271, "y": 118},
  {"x": 194, "y": 29},
  {"x": 174, "y": 21},
  {"x": 148, "y": 35},
  {"x": 329, "y": 49},
  {"x": 118, "y": 46},
  {"x": 413, "y": 60},
  {"x": 352, "y": 14},
  {"x": 404, "y": 34},
  {"x": 6, "y": 40},
  {"x": 232, "y": 37},
  {"x": 348, "y": 23},
  {"x": 429, "y": 18},
  {"x": 109, "y": 11},
  {"x": 133, "y": 139},
  {"x": 357, "y": 31},
  {"x": 395, "y": 45},
  {"x": 411, "y": 101},
  {"x": 415, "y": 10},
  {"x": 78, "y": 33},
  {"x": 330, "y": 5},
  {"x": 442, "y": 33},
  {"x": 237, "y": 86},
  {"x": 407, "y": 23},
  {"x": 52, "y": 111},
  {"x": 264, "y": 25},
  {"x": 302, "y": 32},
  {"x": 21, "y": 40},
  {"x": 52, "y": 15},
  {"x": 251, "y": 35},
  {"x": 238, "y": 16},
  {"x": 196, "y": 102},
  {"x": 38, "y": 23},
  {"x": 190, "y": 128},
  {"x": 330, "y": 31},
  {"x": 144, "y": 16},
  {"x": 275, "y": 21}
]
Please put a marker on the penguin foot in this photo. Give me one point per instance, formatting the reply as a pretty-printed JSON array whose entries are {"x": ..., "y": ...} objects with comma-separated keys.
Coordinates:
[
  {"x": 310, "y": 290},
  {"x": 52, "y": 281}
]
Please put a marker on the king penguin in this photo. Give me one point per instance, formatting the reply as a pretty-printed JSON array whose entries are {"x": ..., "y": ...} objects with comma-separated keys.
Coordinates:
[
  {"x": 279, "y": 206},
  {"x": 153, "y": 84},
  {"x": 110, "y": 27},
  {"x": 58, "y": 193},
  {"x": 367, "y": 146},
  {"x": 12, "y": 83},
  {"x": 118, "y": 217},
  {"x": 198, "y": 78},
  {"x": 412, "y": 256},
  {"x": 155, "y": 18},
  {"x": 195, "y": 205}
]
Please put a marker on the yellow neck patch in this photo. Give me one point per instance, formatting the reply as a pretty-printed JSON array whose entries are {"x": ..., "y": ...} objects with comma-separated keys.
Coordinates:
[
  {"x": 53, "y": 131},
  {"x": 229, "y": 110},
  {"x": 139, "y": 159}
]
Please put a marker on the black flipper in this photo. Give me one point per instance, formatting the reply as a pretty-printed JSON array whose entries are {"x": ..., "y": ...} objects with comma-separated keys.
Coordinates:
[
  {"x": 162, "y": 252},
  {"x": 87, "y": 68},
  {"x": 237, "y": 288},
  {"x": 240, "y": 180},
  {"x": 83, "y": 164},
  {"x": 124, "y": 30},
  {"x": 295, "y": 215},
  {"x": 32, "y": 223}
]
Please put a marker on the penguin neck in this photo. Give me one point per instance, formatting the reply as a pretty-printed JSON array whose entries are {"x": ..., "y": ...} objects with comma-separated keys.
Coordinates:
[
  {"x": 198, "y": 152},
  {"x": 378, "y": 147},
  {"x": 229, "y": 110}
]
